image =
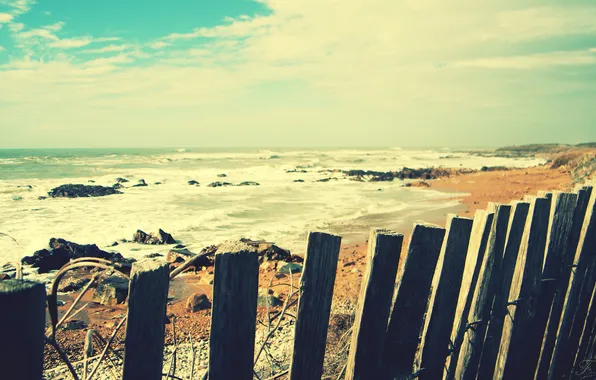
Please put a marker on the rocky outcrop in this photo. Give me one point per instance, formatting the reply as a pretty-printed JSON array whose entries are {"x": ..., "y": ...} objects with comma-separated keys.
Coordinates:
[
  {"x": 117, "y": 186},
  {"x": 111, "y": 291},
  {"x": 121, "y": 180},
  {"x": 219, "y": 184},
  {"x": 196, "y": 302},
  {"x": 78, "y": 191},
  {"x": 141, "y": 183},
  {"x": 249, "y": 183},
  {"x": 162, "y": 237},
  {"x": 192, "y": 182}
]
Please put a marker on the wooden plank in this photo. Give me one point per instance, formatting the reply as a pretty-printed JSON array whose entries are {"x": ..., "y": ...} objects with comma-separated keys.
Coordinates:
[
  {"x": 446, "y": 283},
  {"x": 575, "y": 309},
  {"x": 523, "y": 296},
  {"x": 233, "y": 312},
  {"x": 314, "y": 307},
  {"x": 22, "y": 324},
  {"x": 561, "y": 220},
  {"x": 548, "y": 344},
  {"x": 471, "y": 349},
  {"x": 145, "y": 325},
  {"x": 587, "y": 334},
  {"x": 374, "y": 304},
  {"x": 478, "y": 242},
  {"x": 413, "y": 289},
  {"x": 492, "y": 342}
]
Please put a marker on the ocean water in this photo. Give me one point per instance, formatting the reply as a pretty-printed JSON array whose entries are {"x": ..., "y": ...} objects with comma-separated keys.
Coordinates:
[{"x": 278, "y": 210}]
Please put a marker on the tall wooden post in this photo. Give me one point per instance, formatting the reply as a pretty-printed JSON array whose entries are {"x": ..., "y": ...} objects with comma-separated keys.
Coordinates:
[
  {"x": 368, "y": 331},
  {"x": 316, "y": 285},
  {"x": 523, "y": 295},
  {"x": 490, "y": 348},
  {"x": 478, "y": 243},
  {"x": 407, "y": 318},
  {"x": 233, "y": 312},
  {"x": 548, "y": 344},
  {"x": 22, "y": 325},
  {"x": 471, "y": 349},
  {"x": 443, "y": 300},
  {"x": 145, "y": 325}
]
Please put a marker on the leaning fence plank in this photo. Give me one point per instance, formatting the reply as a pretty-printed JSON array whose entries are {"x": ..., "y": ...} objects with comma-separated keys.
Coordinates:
[
  {"x": 22, "y": 324},
  {"x": 374, "y": 304},
  {"x": 233, "y": 312},
  {"x": 446, "y": 284},
  {"x": 407, "y": 316},
  {"x": 561, "y": 219},
  {"x": 478, "y": 242},
  {"x": 478, "y": 316},
  {"x": 576, "y": 299},
  {"x": 548, "y": 344},
  {"x": 492, "y": 342},
  {"x": 523, "y": 296},
  {"x": 314, "y": 307},
  {"x": 587, "y": 334},
  {"x": 145, "y": 325}
]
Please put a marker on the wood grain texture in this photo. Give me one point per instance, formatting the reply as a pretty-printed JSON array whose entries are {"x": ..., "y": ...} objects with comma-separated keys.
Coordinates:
[
  {"x": 314, "y": 307},
  {"x": 22, "y": 324},
  {"x": 548, "y": 344},
  {"x": 145, "y": 326},
  {"x": 446, "y": 284},
  {"x": 413, "y": 289},
  {"x": 587, "y": 336},
  {"x": 492, "y": 342},
  {"x": 233, "y": 312},
  {"x": 471, "y": 349},
  {"x": 576, "y": 301},
  {"x": 478, "y": 242},
  {"x": 523, "y": 295},
  {"x": 374, "y": 304}
]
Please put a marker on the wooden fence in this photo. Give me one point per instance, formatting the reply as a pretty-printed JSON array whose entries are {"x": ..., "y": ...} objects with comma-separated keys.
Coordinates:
[{"x": 508, "y": 294}]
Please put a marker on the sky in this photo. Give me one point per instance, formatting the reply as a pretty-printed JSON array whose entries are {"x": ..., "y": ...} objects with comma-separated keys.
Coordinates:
[{"x": 149, "y": 73}]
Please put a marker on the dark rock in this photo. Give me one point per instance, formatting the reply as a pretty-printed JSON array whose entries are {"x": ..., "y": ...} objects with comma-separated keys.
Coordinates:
[
  {"x": 193, "y": 182},
  {"x": 72, "y": 284},
  {"x": 121, "y": 180},
  {"x": 112, "y": 291},
  {"x": 153, "y": 255},
  {"x": 326, "y": 179},
  {"x": 222, "y": 175},
  {"x": 179, "y": 255},
  {"x": 267, "y": 298},
  {"x": 298, "y": 180},
  {"x": 91, "y": 181},
  {"x": 47, "y": 261},
  {"x": 75, "y": 324},
  {"x": 28, "y": 187},
  {"x": 145, "y": 238},
  {"x": 291, "y": 267},
  {"x": 196, "y": 302},
  {"x": 273, "y": 252},
  {"x": 76, "y": 191},
  {"x": 249, "y": 183},
  {"x": 274, "y": 157},
  {"x": 17, "y": 198},
  {"x": 179, "y": 246},
  {"x": 157, "y": 183},
  {"x": 41, "y": 198},
  {"x": 4, "y": 276},
  {"x": 114, "y": 244},
  {"x": 296, "y": 171},
  {"x": 117, "y": 186},
  {"x": 219, "y": 184},
  {"x": 141, "y": 183},
  {"x": 165, "y": 237}
]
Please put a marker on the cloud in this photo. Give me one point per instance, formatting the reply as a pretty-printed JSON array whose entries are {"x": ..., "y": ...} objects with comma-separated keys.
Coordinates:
[
  {"x": 534, "y": 61},
  {"x": 158, "y": 44},
  {"x": 109, "y": 49},
  {"x": 69, "y": 43},
  {"x": 2, "y": 49},
  {"x": 5, "y": 17}
]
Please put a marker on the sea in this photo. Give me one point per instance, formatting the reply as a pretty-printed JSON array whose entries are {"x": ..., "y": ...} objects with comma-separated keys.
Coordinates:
[{"x": 279, "y": 210}]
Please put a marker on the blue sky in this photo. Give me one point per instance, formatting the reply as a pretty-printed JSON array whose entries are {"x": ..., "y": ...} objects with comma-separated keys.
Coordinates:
[{"x": 116, "y": 73}]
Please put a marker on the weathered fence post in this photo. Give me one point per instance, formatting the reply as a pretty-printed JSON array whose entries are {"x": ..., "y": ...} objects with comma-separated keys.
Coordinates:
[
  {"x": 478, "y": 242},
  {"x": 233, "y": 312},
  {"x": 374, "y": 304},
  {"x": 145, "y": 325},
  {"x": 471, "y": 349},
  {"x": 587, "y": 333},
  {"x": 561, "y": 220},
  {"x": 446, "y": 284},
  {"x": 22, "y": 325},
  {"x": 407, "y": 317},
  {"x": 316, "y": 286},
  {"x": 577, "y": 298},
  {"x": 492, "y": 342},
  {"x": 548, "y": 344},
  {"x": 523, "y": 295}
]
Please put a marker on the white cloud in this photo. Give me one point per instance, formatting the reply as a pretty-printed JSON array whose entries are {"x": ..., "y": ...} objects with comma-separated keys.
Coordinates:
[
  {"x": 158, "y": 44},
  {"x": 109, "y": 49},
  {"x": 69, "y": 43},
  {"x": 5, "y": 17},
  {"x": 534, "y": 61}
]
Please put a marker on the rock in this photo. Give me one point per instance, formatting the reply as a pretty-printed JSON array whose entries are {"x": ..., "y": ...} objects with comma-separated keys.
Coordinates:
[
  {"x": 114, "y": 244},
  {"x": 179, "y": 246},
  {"x": 41, "y": 198},
  {"x": 46, "y": 260},
  {"x": 75, "y": 324},
  {"x": 196, "y": 302},
  {"x": 153, "y": 255},
  {"x": 117, "y": 186},
  {"x": 112, "y": 291},
  {"x": 326, "y": 179},
  {"x": 268, "y": 298},
  {"x": 291, "y": 268},
  {"x": 157, "y": 183},
  {"x": 4, "y": 276},
  {"x": 76, "y": 191},
  {"x": 222, "y": 175},
  {"x": 91, "y": 181},
  {"x": 179, "y": 255},
  {"x": 298, "y": 180},
  {"x": 141, "y": 183},
  {"x": 165, "y": 237},
  {"x": 273, "y": 252},
  {"x": 17, "y": 198},
  {"x": 72, "y": 284},
  {"x": 349, "y": 263},
  {"x": 417, "y": 184},
  {"x": 249, "y": 183},
  {"x": 121, "y": 180},
  {"x": 219, "y": 184},
  {"x": 193, "y": 182},
  {"x": 142, "y": 237}
]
